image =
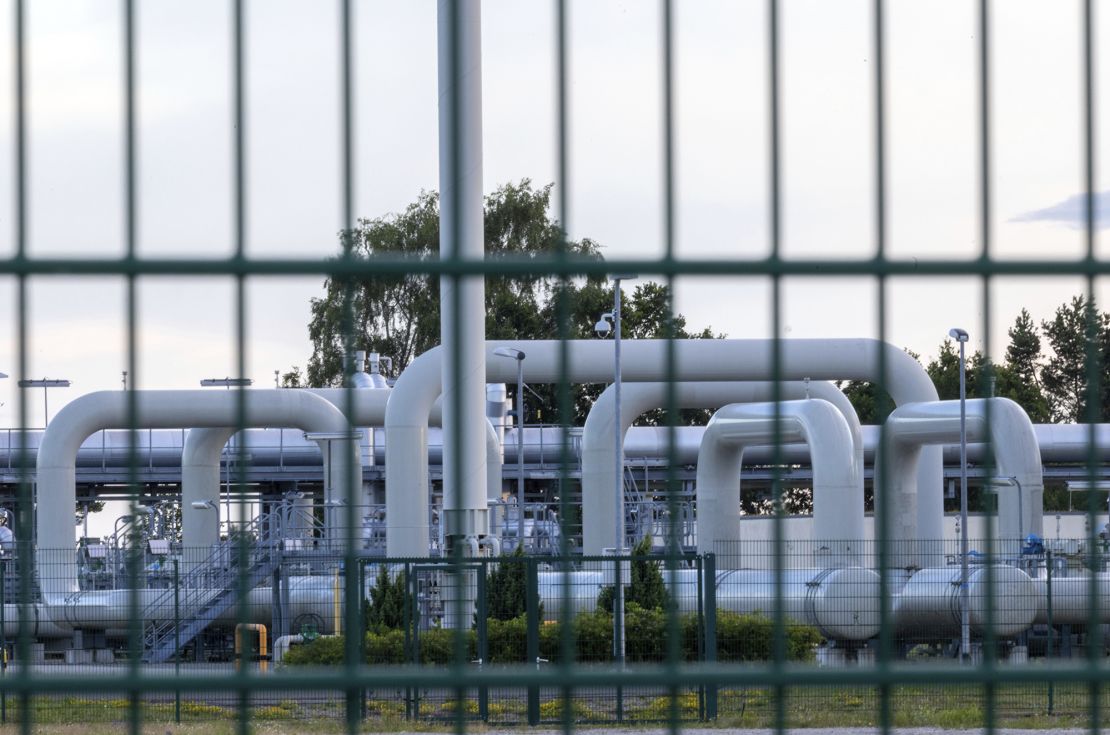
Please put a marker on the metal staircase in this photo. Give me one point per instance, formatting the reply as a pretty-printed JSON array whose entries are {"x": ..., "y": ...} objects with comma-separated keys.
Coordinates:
[{"x": 211, "y": 589}]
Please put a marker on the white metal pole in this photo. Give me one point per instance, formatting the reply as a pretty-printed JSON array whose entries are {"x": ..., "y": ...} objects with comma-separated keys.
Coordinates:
[
  {"x": 618, "y": 495},
  {"x": 520, "y": 448},
  {"x": 965, "y": 623}
]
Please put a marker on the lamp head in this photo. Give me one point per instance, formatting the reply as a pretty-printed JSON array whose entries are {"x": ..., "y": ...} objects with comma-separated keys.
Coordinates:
[
  {"x": 510, "y": 352},
  {"x": 957, "y": 334},
  {"x": 604, "y": 325}
]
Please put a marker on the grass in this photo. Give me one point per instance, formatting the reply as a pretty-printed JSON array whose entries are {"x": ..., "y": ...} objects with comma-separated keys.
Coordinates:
[{"x": 940, "y": 706}]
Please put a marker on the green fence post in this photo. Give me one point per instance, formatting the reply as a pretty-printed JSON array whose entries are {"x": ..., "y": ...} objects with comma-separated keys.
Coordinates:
[
  {"x": 406, "y": 615},
  {"x": 3, "y": 640},
  {"x": 362, "y": 631},
  {"x": 176, "y": 640},
  {"x": 709, "y": 573},
  {"x": 618, "y": 629},
  {"x": 1051, "y": 631},
  {"x": 483, "y": 642},
  {"x": 533, "y": 645}
]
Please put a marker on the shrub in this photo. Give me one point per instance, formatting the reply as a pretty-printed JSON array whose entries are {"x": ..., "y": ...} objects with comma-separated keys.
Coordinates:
[
  {"x": 508, "y": 639},
  {"x": 645, "y": 586},
  {"x": 385, "y": 648},
  {"x": 321, "y": 652},
  {"x": 386, "y": 607},
  {"x": 507, "y": 588}
]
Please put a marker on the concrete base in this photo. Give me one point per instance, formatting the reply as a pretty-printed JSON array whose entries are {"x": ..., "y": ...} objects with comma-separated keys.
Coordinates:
[
  {"x": 831, "y": 657},
  {"x": 79, "y": 656}
]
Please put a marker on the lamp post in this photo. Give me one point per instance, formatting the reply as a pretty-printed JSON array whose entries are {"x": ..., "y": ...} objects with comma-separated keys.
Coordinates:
[
  {"x": 209, "y": 505},
  {"x": 518, "y": 355},
  {"x": 45, "y": 384},
  {"x": 965, "y": 624},
  {"x": 607, "y": 323}
]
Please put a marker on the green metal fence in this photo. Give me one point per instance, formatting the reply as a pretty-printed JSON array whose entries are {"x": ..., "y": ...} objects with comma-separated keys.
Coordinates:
[{"x": 684, "y": 676}]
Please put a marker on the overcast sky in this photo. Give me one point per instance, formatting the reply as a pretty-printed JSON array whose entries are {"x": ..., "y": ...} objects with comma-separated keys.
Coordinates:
[{"x": 187, "y": 325}]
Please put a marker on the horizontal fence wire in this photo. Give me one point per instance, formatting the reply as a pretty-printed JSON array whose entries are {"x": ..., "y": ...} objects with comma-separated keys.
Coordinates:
[{"x": 298, "y": 614}]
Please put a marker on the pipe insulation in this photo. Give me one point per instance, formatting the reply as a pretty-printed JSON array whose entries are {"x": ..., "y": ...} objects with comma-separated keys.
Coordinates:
[
  {"x": 591, "y": 361},
  {"x": 637, "y": 398},
  {"x": 1016, "y": 471},
  {"x": 200, "y": 459},
  {"x": 837, "y": 482},
  {"x": 461, "y": 298},
  {"x": 56, "y": 474}
]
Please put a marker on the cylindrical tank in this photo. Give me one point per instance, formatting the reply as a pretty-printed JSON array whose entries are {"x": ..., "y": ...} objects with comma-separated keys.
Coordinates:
[
  {"x": 1071, "y": 599},
  {"x": 842, "y": 603},
  {"x": 930, "y": 601}
]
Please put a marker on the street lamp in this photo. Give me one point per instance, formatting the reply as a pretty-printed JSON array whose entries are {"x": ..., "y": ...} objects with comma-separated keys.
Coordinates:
[
  {"x": 209, "y": 505},
  {"x": 965, "y": 624},
  {"x": 518, "y": 355},
  {"x": 45, "y": 384},
  {"x": 613, "y": 321}
]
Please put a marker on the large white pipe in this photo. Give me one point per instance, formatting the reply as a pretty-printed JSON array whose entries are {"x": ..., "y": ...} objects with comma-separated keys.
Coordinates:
[
  {"x": 55, "y": 475},
  {"x": 200, "y": 459},
  {"x": 636, "y": 398},
  {"x": 462, "y": 299},
  {"x": 1017, "y": 461},
  {"x": 837, "y": 486},
  {"x": 590, "y": 361}
]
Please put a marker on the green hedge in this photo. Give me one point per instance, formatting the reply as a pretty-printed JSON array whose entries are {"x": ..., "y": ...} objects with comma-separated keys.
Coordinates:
[{"x": 739, "y": 638}]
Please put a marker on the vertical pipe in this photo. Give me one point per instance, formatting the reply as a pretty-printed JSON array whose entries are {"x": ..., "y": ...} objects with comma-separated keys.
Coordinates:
[{"x": 462, "y": 237}]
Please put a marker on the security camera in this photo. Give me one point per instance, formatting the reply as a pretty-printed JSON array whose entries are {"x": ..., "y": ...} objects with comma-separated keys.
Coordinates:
[{"x": 604, "y": 325}]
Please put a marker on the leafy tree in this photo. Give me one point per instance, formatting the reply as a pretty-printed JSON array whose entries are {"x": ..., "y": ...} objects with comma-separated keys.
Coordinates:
[
  {"x": 1019, "y": 378},
  {"x": 293, "y": 378},
  {"x": 1076, "y": 328},
  {"x": 945, "y": 372},
  {"x": 507, "y": 588},
  {"x": 398, "y": 315},
  {"x": 872, "y": 405},
  {"x": 643, "y": 316},
  {"x": 386, "y": 608}
]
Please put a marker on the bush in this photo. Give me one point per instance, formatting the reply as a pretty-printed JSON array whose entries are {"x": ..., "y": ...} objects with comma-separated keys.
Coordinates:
[
  {"x": 645, "y": 586},
  {"x": 507, "y": 588},
  {"x": 740, "y": 637},
  {"x": 321, "y": 652},
  {"x": 749, "y": 637},
  {"x": 386, "y": 607}
]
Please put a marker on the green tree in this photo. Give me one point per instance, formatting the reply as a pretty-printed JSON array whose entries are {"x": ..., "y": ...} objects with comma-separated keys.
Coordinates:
[
  {"x": 872, "y": 404},
  {"x": 386, "y": 608},
  {"x": 398, "y": 315},
  {"x": 645, "y": 585},
  {"x": 507, "y": 588},
  {"x": 1075, "y": 329},
  {"x": 1019, "y": 378},
  {"x": 643, "y": 316},
  {"x": 945, "y": 372}
]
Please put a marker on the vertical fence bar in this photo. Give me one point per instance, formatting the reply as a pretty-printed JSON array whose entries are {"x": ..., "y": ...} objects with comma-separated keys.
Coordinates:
[
  {"x": 482, "y": 635},
  {"x": 176, "y": 639},
  {"x": 533, "y": 643},
  {"x": 709, "y": 567},
  {"x": 1051, "y": 630}
]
